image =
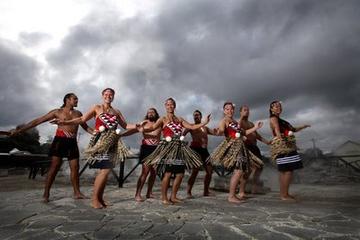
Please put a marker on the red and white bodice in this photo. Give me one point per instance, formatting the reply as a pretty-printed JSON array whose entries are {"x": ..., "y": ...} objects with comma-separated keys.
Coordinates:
[
  {"x": 172, "y": 129},
  {"x": 107, "y": 120},
  {"x": 233, "y": 130}
]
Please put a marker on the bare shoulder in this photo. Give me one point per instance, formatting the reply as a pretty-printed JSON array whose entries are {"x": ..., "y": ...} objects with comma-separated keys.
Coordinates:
[{"x": 77, "y": 113}]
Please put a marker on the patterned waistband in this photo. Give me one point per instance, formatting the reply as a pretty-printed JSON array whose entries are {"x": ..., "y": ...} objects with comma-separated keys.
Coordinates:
[
  {"x": 64, "y": 134},
  {"x": 150, "y": 141}
]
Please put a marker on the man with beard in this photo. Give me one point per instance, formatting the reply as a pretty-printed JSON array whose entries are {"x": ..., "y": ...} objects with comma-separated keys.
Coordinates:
[
  {"x": 64, "y": 144},
  {"x": 251, "y": 145},
  {"x": 199, "y": 144},
  {"x": 148, "y": 145}
]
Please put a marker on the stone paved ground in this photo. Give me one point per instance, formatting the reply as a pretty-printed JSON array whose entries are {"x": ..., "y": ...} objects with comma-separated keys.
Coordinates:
[{"x": 323, "y": 212}]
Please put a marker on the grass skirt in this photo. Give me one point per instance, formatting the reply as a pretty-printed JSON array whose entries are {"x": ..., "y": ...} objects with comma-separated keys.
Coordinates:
[
  {"x": 174, "y": 152},
  {"x": 282, "y": 146},
  {"x": 106, "y": 143},
  {"x": 232, "y": 153}
]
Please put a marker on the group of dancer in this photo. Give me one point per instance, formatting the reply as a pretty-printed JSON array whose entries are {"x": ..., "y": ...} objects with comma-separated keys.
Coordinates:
[{"x": 164, "y": 152}]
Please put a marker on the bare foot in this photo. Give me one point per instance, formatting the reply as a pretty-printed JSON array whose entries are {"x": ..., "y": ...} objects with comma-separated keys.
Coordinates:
[
  {"x": 209, "y": 194},
  {"x": 150, "y": 195},
  {"x": 235, "y": 200},
  {"x": 45, "y": 198},
  {"x": 242, "y": 196},
  {"x": 167, "y": 202},
  {"x": 80, "y": 196},
  {"x": 96, "y": 205},
  {"x": 176, "y": 200},
  {"x": 189, "y": 196},
  {"x": 291, "y": 196},
  {"x": 287, "y": 199},
  {"x": 139, "y": 199}
]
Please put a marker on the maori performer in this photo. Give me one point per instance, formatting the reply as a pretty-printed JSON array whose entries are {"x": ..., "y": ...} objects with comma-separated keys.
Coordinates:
[
  {"x": 64, "y": 144},
  {"x": 284, "y": 149},
  {"x": 199, "y": 144},
  {"x": 172, "y": 155},
  {"x": 232, "y": 153},
  {"x": 148, "y": 144},
  {"x": 251, "y": 145},
  {"x": 105, "y": 147}
]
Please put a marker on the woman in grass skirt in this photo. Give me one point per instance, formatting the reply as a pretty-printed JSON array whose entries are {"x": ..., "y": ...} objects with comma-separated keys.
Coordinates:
[
  {"x": 232, "y": 153},
  {"x": 284, "y": 149},
  {"x": 105, "y": 147},
  {"x": 172, "y": 155}
]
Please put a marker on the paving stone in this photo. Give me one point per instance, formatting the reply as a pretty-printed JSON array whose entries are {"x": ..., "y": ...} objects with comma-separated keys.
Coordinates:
[
  {"x": 80, "y": 227},
  {"x": 300, "y": 232},
  {"x": 217, "y": 231},
  {"x": 257, "y": 231},
  {"x": 262, "y": 217},
  {"x": 49, "y": 222},
  {"x": 10, "y": 230}
]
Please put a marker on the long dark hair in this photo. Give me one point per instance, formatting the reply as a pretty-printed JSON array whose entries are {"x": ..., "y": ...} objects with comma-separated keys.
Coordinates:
[
  {"x": 271, "y": 105},
  {"x": 67, "y": 96},
  {"x": 156, "y": 114}
]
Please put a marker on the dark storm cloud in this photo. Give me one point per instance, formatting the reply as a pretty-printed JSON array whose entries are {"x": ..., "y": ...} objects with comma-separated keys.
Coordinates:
[
  {"x": 253, "y": 50},
  {"x": 305, "y": 53},
  {"x": 18, "y": 77}
]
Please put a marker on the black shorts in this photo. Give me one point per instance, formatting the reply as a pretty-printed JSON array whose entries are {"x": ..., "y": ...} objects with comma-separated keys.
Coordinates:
[
  {"x": 204, "y": 154},
  {"x": 175, "y": 168},
  {"x": 105, "y": 164},
  {"x": 146, "y": 150},
  {"x": 64, "y": 148},
  {"x": 289, "y": 162}
]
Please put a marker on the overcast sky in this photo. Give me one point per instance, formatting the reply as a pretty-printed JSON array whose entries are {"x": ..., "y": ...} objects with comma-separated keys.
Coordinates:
[{"x": 202, "y": 53}]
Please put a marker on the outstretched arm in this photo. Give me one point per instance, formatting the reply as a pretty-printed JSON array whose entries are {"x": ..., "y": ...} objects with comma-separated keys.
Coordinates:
[
  {"x": 254, "y": 128},
  {"x": 129, "y": 132},
  {"x": 297, "y": 129},
  {"x": 76, "y": 121},
  {"x": 211, "y": 131},
  {"x": 124, "y": 124},
  {"x": 47, "y": 117},
  {"x": 260, "y": 138},
  {"x": 195, "y": 126},
  {"x": 158, "y": 124}
]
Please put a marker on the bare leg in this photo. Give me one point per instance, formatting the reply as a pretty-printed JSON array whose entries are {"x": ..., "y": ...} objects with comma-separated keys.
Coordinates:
[
  {"x": 243, "y": 181},
  {"x": 207, "y": 180},
  {"x": 164, "y": 188},
  {"x": 151, "y": 182},
  {"x": 256, "y": 180},
  {"x": 175, "y": 188},
  {"x": 191, "y": 181},
  {"x": 141, "y": 182},
  {"x": 234, "y": 181},
  {"x": 54, "y": 168},
  {"x": 285, "y": 179},
  {"x": 74, "y": 177},
  {"x": 99, "y": 186}
]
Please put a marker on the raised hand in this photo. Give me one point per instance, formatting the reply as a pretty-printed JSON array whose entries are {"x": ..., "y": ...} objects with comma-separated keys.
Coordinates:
[
  {"x": 208, "y": 117},
  {"x": 56, "y": 121},
  {"x": 259, "y": 124}
]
